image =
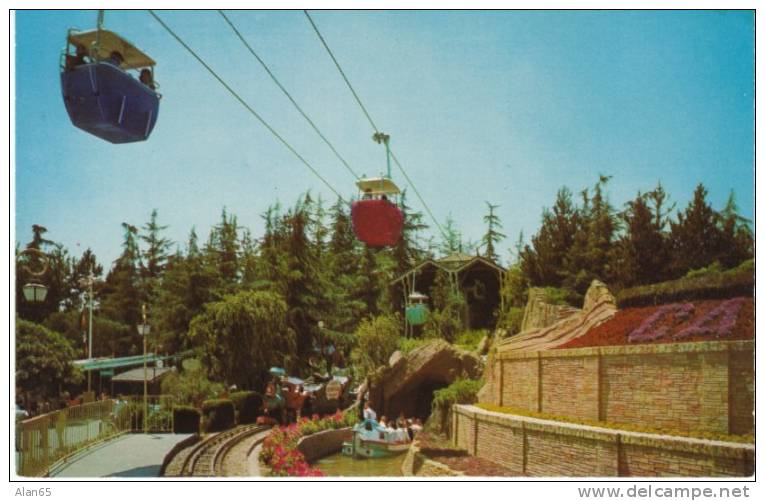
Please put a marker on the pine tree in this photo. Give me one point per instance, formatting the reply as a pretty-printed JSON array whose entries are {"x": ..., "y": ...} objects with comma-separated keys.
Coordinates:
[
  {"x": 696, "y": 236},
  {"x": 737, "y": 241},
  {"x": 543, "y": 261},
  {"x": 493, "y": 236},
  {"x": 451, "y": 242},
  {"x": 155, "y": 256}
]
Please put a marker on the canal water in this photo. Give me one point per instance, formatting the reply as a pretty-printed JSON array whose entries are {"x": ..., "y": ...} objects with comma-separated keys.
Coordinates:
[{"x": 338, "y": 465}]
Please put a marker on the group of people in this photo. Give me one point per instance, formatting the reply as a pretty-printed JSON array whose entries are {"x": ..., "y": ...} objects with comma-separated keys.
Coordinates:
[
  {"x": 82, "y": 56},
  {"x": 400, "y": 429}
]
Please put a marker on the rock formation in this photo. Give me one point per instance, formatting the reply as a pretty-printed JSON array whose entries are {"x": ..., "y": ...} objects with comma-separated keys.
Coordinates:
[
  {"x": 408, "y": 382},
  {"x": 599, "y": 306}
]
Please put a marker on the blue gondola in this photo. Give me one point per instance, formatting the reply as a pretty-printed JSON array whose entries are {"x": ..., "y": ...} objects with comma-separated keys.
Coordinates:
[{"x": 101, "y": 97}]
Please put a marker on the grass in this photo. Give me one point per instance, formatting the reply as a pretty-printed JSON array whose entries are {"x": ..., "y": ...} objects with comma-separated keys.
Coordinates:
[
  {"x": 740, "y": 439},
  {"x": 468, "y": 340}
]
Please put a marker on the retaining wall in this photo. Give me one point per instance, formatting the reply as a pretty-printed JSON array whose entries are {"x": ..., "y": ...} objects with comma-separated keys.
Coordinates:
[
  {"x": 536, "y": 447},
  {"x": 703, "y": 386}
]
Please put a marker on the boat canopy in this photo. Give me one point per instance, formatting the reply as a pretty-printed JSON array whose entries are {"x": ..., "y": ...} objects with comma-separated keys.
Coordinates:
[
  {"x": 378, "y": 186},
  {"x": 104, "y": 42}
]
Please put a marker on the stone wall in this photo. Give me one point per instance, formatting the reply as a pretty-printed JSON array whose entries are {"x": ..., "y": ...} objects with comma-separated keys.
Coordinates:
[
  {"x": 535, "y": 447},
  {"x": 417, "y": 464},
  {"x": 704, "y": 387},
  {"x": 324, "y": 443}
]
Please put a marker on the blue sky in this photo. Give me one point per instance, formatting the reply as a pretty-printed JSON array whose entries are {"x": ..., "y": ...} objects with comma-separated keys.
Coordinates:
[{"x": 505, "y": 107}]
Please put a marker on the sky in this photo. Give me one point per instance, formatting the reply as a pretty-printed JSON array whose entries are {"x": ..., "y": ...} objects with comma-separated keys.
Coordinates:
[{"x": 500, "y": 106}]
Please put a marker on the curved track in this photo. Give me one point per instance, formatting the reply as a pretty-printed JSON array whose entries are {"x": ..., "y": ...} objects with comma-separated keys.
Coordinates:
[{"x": 206, "y": 458}]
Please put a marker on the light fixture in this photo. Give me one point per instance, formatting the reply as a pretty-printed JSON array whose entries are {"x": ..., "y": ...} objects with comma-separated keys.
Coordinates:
[{"x": 35, "y": 293}]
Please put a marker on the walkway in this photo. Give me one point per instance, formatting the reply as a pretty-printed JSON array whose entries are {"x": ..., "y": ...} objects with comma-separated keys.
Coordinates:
[{"x": 134, "y": 455}]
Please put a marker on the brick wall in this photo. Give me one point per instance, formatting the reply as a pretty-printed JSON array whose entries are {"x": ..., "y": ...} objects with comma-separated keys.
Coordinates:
[
  {"x": 536, "y": 447},
  {"x": 706, "y": 386},
  {"x": 741, "y": 391}
]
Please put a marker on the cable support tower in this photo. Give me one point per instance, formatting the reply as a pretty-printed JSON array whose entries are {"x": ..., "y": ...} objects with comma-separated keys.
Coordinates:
[{"x": 372, "y": 123}]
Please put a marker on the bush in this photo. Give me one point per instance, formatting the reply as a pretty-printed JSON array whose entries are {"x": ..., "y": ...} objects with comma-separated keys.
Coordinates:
[
  {"x": 219, "y": 414},
  {"x": 469, "y": 339},
  {"x": 407, "y": 344},
  {"x": 247, "y": 405},
  {"x": 563, "y": 296},
  {"x": 699, "y": 284},
  {"x": 377, "y": 340},
  {"x": 511, "y": 321},
  {"x": 186, "y": 420},
  {"x": 461, "y": 391}
]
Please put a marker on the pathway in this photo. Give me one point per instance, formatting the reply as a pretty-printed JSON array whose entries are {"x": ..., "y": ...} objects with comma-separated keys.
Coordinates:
[{"x": 134, "y": 455}]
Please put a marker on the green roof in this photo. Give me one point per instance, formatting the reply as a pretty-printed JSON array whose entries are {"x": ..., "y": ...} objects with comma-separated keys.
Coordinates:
[{"x": 122, "y": 362}]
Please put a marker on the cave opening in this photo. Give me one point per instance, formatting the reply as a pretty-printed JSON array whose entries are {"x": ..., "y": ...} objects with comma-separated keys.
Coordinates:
[{"x": 415, "y": 401}]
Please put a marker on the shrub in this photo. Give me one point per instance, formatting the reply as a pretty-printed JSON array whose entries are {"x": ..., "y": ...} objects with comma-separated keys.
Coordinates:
[
  {"x": 406, "y": 345},
  {"x": 511, "y": 320},
  {"x": 186, "y": 419},
  {"x": 461, "y": 391},
  {"x": 219, "y": 414},
  {"x": 279, "y": 449},
  {"x": 469, "y": 339},
  {"x": 247, "y": 405},
  {"x": 706, "y": 284},
  {"x": 377, "y": 340}
]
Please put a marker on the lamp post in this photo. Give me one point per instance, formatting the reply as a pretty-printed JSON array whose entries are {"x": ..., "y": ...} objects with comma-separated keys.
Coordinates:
[
  {"x": 143, "y": 330},
  {"x": 88, "y": 282},
  {"x": 33, "y": 291}
]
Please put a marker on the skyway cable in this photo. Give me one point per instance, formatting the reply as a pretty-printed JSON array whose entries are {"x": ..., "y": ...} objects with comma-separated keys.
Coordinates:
[
  {"x": 247, "y": 106},
  {"x": 366, "y": 113},
  {"x": 286, "y": 93}
]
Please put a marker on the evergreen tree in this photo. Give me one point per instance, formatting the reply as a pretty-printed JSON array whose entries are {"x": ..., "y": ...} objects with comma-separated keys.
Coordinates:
[
  {"x": 543, "y": 262},
  {"x": 493, "y": 236},
  {"x": 737, "y": 241},
  {"x": 451, "y": 241},
  {"x": 696, "y": 237},
  {"x": 155, "y": 256}
]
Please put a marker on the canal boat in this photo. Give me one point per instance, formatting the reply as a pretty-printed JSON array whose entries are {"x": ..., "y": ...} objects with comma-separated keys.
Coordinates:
[{"x": 372, "y": 440}]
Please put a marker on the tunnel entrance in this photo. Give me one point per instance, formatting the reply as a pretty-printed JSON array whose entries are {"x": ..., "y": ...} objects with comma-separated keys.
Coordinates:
[{"x": 415, "y": 401}]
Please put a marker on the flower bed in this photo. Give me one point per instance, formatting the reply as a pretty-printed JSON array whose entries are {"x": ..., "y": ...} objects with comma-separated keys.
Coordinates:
[
  {"x": 279, "y": 451},
  {"x": 687, "y": 322}
]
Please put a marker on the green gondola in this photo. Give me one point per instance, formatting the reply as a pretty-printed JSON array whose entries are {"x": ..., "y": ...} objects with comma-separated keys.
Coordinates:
[{"x": 416, "y": 309}]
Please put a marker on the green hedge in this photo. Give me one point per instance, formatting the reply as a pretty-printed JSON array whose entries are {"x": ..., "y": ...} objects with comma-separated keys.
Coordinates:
[
  {"x": 186, "y": 420},
  {"x": 218, "y": 414},
  {"x": 247, "y": 405},
  {"x": 709, "y": 284}
]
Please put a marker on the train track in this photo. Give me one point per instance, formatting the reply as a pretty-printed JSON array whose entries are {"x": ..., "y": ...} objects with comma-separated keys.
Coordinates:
[{"x": 206, "y": 458}]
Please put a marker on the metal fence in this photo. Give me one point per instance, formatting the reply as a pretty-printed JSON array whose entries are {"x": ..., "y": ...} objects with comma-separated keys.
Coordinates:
[{"x": 46, "y": 439}]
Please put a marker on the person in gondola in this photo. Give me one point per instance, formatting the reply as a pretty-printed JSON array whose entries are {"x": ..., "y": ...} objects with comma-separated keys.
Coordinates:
[
  {"x": 78, "y": 59},
  {"x": 147, "y": 79},
  {"x": 367, "y": 194},
  {"x": 115, "y": 58}
]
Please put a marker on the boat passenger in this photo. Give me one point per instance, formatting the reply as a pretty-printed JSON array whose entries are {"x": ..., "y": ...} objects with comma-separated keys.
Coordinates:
[
  {"x": 401, "y": 421},
  {"x": 417, "y": 426},
  {"x": 384, "y": 422},
  {"x": 369, "y": 413}
]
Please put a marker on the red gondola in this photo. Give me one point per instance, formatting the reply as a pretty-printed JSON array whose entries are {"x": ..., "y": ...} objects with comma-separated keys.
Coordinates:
[{"x": 377, "y": 221}]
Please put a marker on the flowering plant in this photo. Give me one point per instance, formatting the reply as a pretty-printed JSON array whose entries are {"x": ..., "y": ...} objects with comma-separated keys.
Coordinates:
[
  {"x": 718, "y": 322},
  {"x": 279, "y": 449}
]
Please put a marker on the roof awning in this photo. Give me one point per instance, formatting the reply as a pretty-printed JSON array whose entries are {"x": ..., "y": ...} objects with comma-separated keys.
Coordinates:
[
  {"x": 378, "y": 186},
  {"x": 110, "y": 42},
  {"x": 123, "y": 362},
  {"x": 136, "y": 375}
]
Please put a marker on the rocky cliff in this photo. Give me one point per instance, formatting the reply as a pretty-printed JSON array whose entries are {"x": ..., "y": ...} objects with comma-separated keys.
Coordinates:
[{"x": 408, "y": 382}]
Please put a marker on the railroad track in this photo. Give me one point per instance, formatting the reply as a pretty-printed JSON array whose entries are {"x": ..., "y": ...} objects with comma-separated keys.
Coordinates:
[{"x": 206, "y": 458}]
